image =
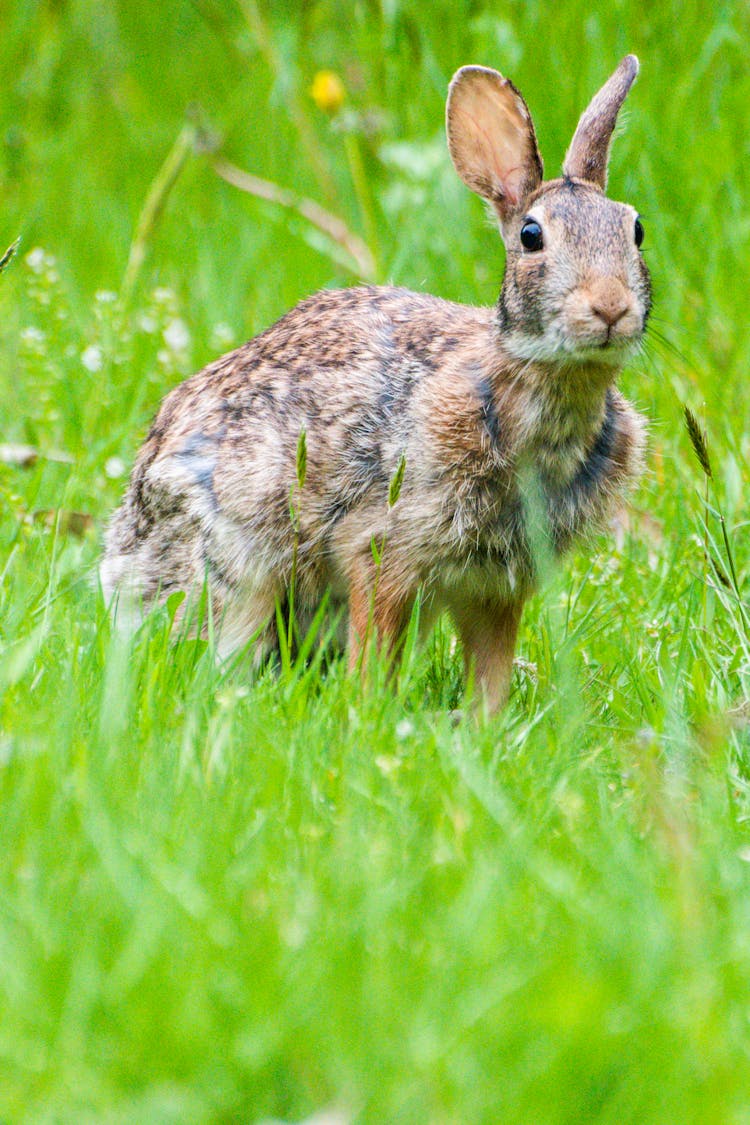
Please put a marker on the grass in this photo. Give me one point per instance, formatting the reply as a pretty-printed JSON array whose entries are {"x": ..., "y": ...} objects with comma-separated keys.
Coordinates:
[{"x": 226, "y": 899}]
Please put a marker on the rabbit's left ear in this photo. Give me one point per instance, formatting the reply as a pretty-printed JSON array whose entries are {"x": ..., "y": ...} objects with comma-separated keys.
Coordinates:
[
  {"x": 491, "y": 138},
  {"x": 588, "y": 155}
]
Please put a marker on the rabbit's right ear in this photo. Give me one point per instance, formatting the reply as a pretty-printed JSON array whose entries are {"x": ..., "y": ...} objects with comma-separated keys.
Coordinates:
[
  {"x": 491, "y": 138},
  {"x": 587, "y": 157}
]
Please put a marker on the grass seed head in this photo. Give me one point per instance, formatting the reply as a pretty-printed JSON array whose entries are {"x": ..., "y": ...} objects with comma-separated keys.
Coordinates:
[
  {"x": 9, "y": 255},
  {"x": 699, "y": 441},
  {"x": 394, "y": 489}
]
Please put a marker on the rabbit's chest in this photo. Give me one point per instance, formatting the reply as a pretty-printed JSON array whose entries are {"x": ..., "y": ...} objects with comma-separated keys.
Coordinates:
[{"x": 495, "y": 527}]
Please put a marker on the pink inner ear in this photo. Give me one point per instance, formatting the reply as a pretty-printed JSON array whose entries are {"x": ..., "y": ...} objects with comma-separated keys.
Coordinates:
[
  {"x": 488, "y": 154},
  {"x": 493, "y": 146}
]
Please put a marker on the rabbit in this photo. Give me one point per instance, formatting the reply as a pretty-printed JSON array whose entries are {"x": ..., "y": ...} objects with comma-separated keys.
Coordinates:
[{"x": 515, "y": 439}]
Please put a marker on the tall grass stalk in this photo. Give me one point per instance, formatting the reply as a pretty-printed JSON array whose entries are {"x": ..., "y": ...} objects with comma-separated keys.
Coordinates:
[
  {"x": 699, "y": 442},
  {"x": 364, "y": 195},
  {"x": 154, "y": 204}
]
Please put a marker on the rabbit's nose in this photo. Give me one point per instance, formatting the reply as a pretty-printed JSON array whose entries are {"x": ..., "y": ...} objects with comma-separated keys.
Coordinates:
[{"x": 609, "y": 300}]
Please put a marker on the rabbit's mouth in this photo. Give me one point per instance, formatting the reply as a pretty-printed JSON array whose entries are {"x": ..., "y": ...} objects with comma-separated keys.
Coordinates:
[
  {"x": 590, "y": 324},
  {"x": 614, "y": 349},
  {"x": 589, "y": 335},
  {"x": 596, "y": 342},
  {"x": 609, "y": 339},
  {"x": 565, "y": 344}
]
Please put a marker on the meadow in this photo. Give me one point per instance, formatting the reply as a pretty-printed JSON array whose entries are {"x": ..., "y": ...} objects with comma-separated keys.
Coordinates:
[{"x": 235, "y": 899}]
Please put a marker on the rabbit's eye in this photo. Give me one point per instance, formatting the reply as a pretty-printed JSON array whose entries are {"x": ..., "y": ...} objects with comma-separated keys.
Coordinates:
[
  {"x": 531, "y": 235},
  {"x": 639, "y": 232}
]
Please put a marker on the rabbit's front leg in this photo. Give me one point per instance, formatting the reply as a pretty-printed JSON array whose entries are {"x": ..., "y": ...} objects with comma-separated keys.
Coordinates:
[{"x": 488, "y": 631}]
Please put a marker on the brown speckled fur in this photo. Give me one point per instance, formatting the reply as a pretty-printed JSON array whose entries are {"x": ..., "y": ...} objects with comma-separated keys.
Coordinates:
[{"x": 513, "y": 432}]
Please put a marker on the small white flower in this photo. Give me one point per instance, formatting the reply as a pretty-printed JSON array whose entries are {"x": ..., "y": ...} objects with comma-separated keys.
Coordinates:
[
  {"x": 147, "y": 324},
  {"x": 404, "y": 729},
  {"x": 91, "y": 358},
  {"x": 114, "y": 468},
  {"x": 37, "y": 260},
  {"x": 105, "y": 297},
  {"x": 176, "y": 335},
  {"x": 32, "y": 335}
]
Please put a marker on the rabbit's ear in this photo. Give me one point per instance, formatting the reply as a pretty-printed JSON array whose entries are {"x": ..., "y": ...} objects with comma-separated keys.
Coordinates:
[
  {"x": 491, "y": 138},
  {"x": 587, "y": 157}
]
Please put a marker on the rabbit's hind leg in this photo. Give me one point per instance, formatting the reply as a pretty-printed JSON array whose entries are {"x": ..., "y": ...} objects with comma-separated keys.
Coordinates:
[{"x": 247, "y": 615}]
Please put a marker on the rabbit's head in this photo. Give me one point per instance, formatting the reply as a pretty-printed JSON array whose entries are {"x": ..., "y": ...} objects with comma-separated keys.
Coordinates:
[{"x": 576, "y": 288}]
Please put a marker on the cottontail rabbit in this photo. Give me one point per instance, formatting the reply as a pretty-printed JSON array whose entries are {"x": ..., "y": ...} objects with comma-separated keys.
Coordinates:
[{"x": 504, "y": 415}]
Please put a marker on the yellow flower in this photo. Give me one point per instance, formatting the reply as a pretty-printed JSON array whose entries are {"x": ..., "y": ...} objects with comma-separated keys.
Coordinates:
[{"x": 327, "y": 91}]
